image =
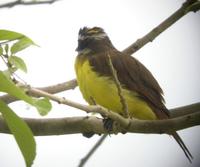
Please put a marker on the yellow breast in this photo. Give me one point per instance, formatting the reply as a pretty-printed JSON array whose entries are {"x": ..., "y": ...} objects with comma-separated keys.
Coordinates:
[{"x": 104, "y": 92}]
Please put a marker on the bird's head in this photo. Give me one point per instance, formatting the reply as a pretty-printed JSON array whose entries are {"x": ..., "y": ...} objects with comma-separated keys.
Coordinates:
[{"x": 92, "y": 38}]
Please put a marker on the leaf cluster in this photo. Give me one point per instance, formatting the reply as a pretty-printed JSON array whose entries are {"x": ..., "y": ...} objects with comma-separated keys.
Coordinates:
[{"x": 10, "y": 44}]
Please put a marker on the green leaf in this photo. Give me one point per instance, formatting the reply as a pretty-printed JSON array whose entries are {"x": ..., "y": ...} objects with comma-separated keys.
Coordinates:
[
  {"x": 43, "y": 106},
  {"x": 9, "y": 35},
  {"x": 18, "y": 62},
  {"x": 22, "y": 133},
  {"x": 9, "y": 87},
  {"x": 21, "y": 45}
]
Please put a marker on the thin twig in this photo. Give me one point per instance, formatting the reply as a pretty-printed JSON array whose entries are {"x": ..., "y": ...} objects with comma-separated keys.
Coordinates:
[
  {"x": 119, "y": 88},
  {"x": 53, "y": 89},
  {"x": 20, "y": 2},
  {"x": 89, "y": 109},
  {"x": 91, "y": 152}
]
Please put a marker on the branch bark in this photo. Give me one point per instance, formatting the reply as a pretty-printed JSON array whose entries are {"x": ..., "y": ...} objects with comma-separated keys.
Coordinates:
[
  {"x": 21, "y": 2},
  {"x": 75, "y": 125},
  {"x": 184, "y": 110}
]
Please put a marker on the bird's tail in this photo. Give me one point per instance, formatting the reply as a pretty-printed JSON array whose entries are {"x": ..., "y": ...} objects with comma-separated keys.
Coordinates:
[{"x": 183, "y": 146}]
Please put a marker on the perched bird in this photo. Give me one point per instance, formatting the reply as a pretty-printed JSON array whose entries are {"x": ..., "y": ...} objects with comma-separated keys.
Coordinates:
[{"x": 141, "y": 91}]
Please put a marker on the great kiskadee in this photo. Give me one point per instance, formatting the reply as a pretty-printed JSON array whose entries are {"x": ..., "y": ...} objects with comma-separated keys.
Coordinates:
[{"x": 141, "y": 91}]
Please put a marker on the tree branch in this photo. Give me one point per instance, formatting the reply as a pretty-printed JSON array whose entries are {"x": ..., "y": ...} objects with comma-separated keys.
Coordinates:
[
  {"x": 22, "y": 2},
  {"x": 75, "y": 125},
  {"x": 53, "y": 89},
  {"x": 184, "y": 110},
  {"x": 188, "y": 6}
]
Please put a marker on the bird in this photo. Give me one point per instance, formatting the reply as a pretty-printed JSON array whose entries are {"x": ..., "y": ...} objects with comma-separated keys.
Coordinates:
[{"x": 141, "y": 91}]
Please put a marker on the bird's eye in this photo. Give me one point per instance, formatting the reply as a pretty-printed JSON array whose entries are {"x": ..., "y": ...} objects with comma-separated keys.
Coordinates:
[{"x": 81, "y": 37}]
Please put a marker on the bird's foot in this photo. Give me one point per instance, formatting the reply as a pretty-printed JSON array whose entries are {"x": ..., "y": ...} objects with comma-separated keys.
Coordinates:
[{"x": 108, "y": 124}]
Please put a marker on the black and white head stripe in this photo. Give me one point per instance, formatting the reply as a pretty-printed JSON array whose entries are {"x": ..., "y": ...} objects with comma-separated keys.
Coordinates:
[
  {"x": 93, "y": 39},
  {"x": 95, "y": 33}
]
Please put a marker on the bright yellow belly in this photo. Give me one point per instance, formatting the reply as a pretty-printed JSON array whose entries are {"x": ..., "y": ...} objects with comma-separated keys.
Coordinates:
[{"x": 104, "y": 92}]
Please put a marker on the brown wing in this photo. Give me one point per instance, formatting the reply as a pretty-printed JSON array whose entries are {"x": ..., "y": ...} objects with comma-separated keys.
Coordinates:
[{"x": 133, "y": 76}]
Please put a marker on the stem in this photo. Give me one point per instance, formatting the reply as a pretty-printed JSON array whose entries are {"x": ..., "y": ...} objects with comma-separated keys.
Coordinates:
[{"x": 119, "y": 88}]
